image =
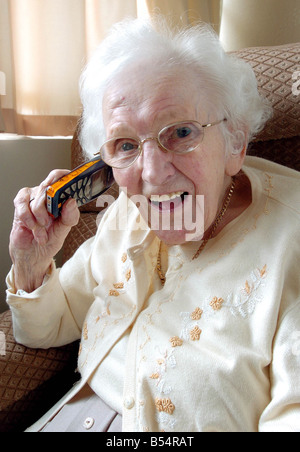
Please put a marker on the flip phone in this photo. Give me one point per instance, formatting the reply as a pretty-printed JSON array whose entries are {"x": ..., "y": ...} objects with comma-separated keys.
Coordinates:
[{"x": 84, "y": 183}]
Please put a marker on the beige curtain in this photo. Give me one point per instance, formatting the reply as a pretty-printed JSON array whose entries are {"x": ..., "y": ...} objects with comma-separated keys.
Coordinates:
[
  {"x": 43, "y": 47},
  {"x": 45, "y": 43}
]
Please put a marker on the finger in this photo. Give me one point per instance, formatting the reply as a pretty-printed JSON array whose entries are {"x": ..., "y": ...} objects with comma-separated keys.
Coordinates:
[
  {"x": 38, "y": 208},
  {"x": 69, "y": 217},
  {"x": 40, "y": 235},
  {"x": 22, "y": 207},
  {"x": 38, "y": 205},
  {"x": 70, "y": 213},
  {"x": 24, "y": 218},
  {"x": 54, "y": 176}
]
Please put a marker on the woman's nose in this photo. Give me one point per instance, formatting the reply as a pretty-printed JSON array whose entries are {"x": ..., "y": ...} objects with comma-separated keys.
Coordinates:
[{"x": 156, "y": 163}]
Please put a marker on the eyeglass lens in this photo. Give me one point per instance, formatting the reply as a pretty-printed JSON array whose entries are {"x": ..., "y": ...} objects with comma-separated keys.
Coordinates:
[{"x": 180, "y": 138}]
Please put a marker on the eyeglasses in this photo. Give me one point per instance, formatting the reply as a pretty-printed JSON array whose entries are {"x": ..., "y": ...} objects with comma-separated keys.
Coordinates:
[{"x": 179, "y": 138}]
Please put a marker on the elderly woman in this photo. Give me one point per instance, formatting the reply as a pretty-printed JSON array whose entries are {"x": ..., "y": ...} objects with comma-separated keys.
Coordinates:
[{"x": 184, "y": 325}]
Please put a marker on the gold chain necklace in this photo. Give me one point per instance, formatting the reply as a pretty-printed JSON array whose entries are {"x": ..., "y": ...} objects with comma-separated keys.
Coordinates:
[{"x": 204, "y": 242}]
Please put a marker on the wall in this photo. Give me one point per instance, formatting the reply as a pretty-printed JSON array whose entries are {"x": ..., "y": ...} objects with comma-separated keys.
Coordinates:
[
  {"x": 24, "y": 162},
  {"x": 253, "y": 23}
]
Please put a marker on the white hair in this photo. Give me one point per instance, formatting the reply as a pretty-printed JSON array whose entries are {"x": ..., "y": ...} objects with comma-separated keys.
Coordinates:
[{"x": 228, "y": 83}]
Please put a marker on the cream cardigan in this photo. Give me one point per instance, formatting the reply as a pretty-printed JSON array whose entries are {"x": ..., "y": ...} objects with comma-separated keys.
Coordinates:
[{"x": 216, "y": 349}]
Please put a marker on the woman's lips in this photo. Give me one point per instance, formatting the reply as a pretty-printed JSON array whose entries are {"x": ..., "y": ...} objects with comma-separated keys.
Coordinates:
[{"x": 168, "y": 201}]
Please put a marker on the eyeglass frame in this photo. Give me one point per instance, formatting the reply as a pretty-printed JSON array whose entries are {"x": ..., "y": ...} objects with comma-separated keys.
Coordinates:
[{"x": 164, "y": 149}]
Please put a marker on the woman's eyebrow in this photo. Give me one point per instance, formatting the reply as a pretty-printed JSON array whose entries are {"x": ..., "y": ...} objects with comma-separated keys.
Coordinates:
[{"x": 121, "y": 131}]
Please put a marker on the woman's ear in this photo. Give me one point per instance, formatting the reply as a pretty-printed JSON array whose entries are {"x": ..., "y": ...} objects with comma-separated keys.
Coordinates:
[
  {"x": 236, "y": 152},
  {"x": 238, "y": 142}
]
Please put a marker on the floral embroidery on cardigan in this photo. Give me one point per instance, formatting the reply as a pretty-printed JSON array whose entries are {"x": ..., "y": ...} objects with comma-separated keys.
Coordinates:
[
  {"x": 164, "y": 406},
  {"x": 165, "y": 361},
  {"x": 196, "y": 314},
  {"x": 216, "y": 303},
  {"x": 195, "y": 333},
  {"x": 176, "y": 341},
  {"x": 118, "y": 287},
  {"x": 248, "y": 298},
  {"x": 190, "y": 329},
  {"x": 241, "y": 302}
]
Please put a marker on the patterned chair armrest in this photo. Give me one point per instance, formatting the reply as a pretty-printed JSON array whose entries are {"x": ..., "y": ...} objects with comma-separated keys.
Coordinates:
[
  {"x": 275, "y": 69},
  {"x": 31, "y": 380}
]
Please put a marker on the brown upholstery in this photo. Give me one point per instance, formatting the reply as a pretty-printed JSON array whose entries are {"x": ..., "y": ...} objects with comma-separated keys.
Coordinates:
[
  {"x": 26, "y": 375},
  {"x": 274, "y": 68},
  {"x": 31, "y": 380}
]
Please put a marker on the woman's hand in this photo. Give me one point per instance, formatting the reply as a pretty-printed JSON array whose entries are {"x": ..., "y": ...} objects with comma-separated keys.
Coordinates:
[{"x": 36, "y": 237}]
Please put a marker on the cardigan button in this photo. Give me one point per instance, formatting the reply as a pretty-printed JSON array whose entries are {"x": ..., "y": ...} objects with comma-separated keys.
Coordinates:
[
  {"x": 129, "y": 403},
  {"x": 88, "y": 423}
]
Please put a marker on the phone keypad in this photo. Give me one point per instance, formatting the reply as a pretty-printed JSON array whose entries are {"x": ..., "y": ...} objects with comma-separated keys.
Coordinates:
[{"x": 80, "y": 190}]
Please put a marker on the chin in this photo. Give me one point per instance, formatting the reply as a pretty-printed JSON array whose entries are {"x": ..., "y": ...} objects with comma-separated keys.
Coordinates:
[{"x": 178, "y": 224}]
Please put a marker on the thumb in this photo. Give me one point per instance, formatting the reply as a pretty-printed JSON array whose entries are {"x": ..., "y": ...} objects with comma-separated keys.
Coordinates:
[{"x": 70, "y": 213}]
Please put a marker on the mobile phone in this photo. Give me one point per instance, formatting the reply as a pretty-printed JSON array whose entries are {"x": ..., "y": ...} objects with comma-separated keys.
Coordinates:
[{"x": 84, "y": 183}]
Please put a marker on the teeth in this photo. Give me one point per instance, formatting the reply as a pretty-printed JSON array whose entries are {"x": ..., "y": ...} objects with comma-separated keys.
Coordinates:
[{"x": 167, "y": 197}]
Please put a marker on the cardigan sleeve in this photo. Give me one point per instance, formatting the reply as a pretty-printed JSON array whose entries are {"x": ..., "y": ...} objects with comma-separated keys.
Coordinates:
[
  {"x": 283, "y": 412},
  {"x": 53, "y": 314}
]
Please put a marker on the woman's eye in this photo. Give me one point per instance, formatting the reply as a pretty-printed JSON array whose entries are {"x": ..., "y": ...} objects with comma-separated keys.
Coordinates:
[
  {"x": 183, "y": 132},
  {"x": 127, "y": 147}
]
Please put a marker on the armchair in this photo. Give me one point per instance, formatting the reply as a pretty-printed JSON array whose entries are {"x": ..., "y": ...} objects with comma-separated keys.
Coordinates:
[{"x": 31, "y": 381}]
